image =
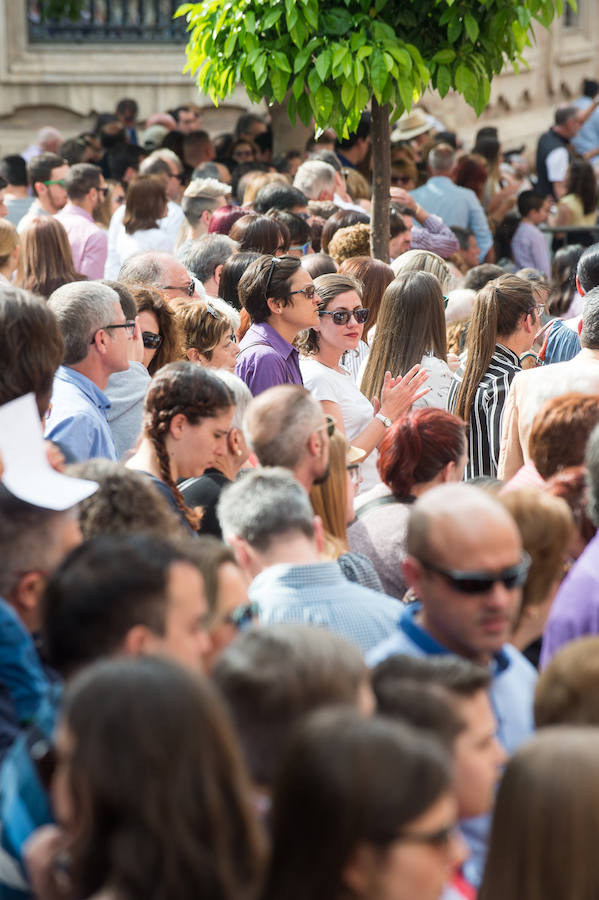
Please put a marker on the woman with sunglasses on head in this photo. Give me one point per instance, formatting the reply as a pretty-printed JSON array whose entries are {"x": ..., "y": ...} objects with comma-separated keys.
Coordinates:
[
  {"x": 411, "y": 329},
  {"x": 362, "y": 808},
  {"x": 340, "y": 326},
  {"x": 145, "y": 205},
  {"x": 206, "y": 335},
  {"x": 187, "y": 420}
]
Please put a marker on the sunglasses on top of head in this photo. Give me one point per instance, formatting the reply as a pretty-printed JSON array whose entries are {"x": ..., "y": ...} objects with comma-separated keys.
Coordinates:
[{"x": 342, "y": 316}]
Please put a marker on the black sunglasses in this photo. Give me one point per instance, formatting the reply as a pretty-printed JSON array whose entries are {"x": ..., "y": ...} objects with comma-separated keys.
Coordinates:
[
  {"x": 151, "y": 341},
  {"x": 482, "y": 582},
  {"x": 440, "y": 838},
  {"x": 342, "y": 316}
]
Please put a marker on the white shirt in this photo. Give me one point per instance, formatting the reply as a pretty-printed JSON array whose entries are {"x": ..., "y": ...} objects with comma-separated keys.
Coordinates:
[
  {"x": 148, "y": 239},
  {"x": 439, "y": 381},
  {"x": 325, "y": 383},
  {"x": 170, "y": 225}
]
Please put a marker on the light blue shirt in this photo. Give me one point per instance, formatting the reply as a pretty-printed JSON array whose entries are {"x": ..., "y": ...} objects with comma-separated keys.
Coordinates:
[
  {"x": 319, "y": 594},
  {"x": 456, "y": 206},
  {"x": 588, "y": 136},
  {"x": 77, "y": 419},
  {"x": 513, "y": 681}
]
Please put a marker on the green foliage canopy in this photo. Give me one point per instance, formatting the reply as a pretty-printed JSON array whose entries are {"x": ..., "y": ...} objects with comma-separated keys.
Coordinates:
[{"x": 334, "y": 55}]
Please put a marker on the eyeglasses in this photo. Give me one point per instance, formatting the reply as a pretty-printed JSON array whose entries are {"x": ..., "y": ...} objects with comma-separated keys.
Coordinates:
[
  {"x": 355, "y": 473},
  {"x": 103, "y": 191},
  {"x": 275, "y": 260},
  {"x": 539, "y": 309},
  {"x": 130, "y": 326},
  {"x": 151, "y": 341},
  {"x": 401, "y": 179},
  {"x": 308, "y": 291},
  {"x": 482, "y": 582},
  {"x": 329, "y": 425},
  {"x": 342, "y": 316},
  {"x": 303, "y": 247},
  {"x": 59, "y": 181},
  {"x": 440, "y": 839},
  {"x": 188, "y": 289},
  {"x": 243, "y": 616},
  {"x": 180, "y": 176}
]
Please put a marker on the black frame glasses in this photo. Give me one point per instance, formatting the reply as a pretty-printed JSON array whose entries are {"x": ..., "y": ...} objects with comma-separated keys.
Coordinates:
[
  {"x": 188, "y": 289},
  {"x": 129, "y": 325},
  {"x": 482, "y": 582},
  {"x": 440, "y": 838},
  {"x": 342, "y": 316},
  {"x": 151, "y": 341}
]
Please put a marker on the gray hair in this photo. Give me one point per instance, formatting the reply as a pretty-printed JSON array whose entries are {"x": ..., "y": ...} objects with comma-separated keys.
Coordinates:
[
  {"x": 592, "y": 475},
  {"x": 142, "y": 268},
  {"x": 441, "y": 158},
  {"x": 201, "y": 195},
  {"x": 279, "y": 422},
  {"x": 242, "y": 396},
  {"x": 264, "y": 505},
  {"x": 203, "y": 255},
  {"x": 314, "y": 176},
  {"x": 82, "y": 308},
  {"x": 589, "y": 336},
  {"x": 162, "y": 153}
]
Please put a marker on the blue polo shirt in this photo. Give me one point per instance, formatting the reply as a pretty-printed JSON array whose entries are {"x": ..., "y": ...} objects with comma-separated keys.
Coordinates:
[
  {"x": 77, "y": 419},
  {"x": 513, "y": 681}
]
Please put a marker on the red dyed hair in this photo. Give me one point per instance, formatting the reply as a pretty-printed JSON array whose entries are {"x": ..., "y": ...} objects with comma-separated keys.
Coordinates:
[
  {"x": 223, "y": 219},
  {"x": 418, "y": 446}
]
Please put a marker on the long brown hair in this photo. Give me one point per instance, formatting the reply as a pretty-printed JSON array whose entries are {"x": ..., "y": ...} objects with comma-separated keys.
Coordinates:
[
  {"x": 47, "y": 257},
  {"x": 411, "y": 323},
  {"x": 327, "y": 287},
  {"x": 375, "y": 277},
  {"x": 146, "y": 203},
  {"x": 329, "y": 499},
  {"x": 181, "y": 388},
  {"x": 498, "y": 308},
  {"x": 150, "y": 299}
]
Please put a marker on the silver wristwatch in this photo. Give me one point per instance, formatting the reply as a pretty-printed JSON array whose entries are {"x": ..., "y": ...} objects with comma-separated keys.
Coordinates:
[{"x": 384, "y": 419}]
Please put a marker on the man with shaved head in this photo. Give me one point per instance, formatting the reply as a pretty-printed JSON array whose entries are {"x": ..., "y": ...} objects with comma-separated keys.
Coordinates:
[{"x": 466, "y": 566}]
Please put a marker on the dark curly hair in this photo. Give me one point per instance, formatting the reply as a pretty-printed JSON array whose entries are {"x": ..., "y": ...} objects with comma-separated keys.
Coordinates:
[{"x": 190, "y": 390}]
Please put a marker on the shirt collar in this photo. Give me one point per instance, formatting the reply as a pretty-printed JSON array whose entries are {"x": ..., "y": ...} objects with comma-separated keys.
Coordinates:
[
  {"x": 268, "y": 334},
  {"x": 427, "y": 643},
  {"x": 85, "y": 385},
  {"x": 72, "y": 209},
  {"x": 505, "y": 353}
]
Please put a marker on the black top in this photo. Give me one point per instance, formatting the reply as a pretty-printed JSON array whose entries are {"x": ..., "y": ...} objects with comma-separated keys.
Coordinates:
[
  {"x": 548, "y": 142},
  {"x": 205, "y": 491}
]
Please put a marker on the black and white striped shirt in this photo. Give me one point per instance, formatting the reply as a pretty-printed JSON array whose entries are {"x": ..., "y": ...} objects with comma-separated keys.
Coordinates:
[{"x": 484, "y": 430}]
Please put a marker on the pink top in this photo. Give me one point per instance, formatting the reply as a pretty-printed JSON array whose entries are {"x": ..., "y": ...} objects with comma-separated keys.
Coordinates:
[
  {"x": 88, "y": 241},
  {"x": 526, "y": 476}
]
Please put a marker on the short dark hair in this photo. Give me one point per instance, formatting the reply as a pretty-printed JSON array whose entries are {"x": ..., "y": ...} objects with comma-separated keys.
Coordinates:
[
  {"x": 529, "y": 201},
  {"x": 277, "y": 271},
  {"x": 590, "y": 88},
  {"x": 80, "y": 179},
  {"x": 121, "y": 158},
  {"x": 245, "y": 121},
  {"x": 397, "y": 225},
  {"x": 127, "y": 105},
  {"x": 587, "y": 270},
  {"x": 563, "y": 114},
  {"x": 102, "y": 589},
  {"x": 230, "y": 276},
  {"x": 13, "y": 169},
  {"x": 39, "y": 168},
  {"x": 272, "y": 676},
  {"x": 463, "y": 235},
  {"x": 298, "y": 228},
  {"x": 457, "y": 675},
  {"x": 278, "y": 196},
  {"x": 362, "y": 131},
  {"x": 481, "y": 275}
]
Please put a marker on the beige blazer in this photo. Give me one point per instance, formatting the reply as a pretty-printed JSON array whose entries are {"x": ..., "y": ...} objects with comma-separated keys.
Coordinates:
[{"x": 528, "y": 391}]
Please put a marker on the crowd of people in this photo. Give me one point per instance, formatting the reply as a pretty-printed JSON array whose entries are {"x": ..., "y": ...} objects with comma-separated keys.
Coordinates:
[{"x": 299, "y": 545}]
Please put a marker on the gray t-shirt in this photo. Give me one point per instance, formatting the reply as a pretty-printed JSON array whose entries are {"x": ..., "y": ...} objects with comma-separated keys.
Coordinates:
[
  {"x": 381, "y": 535},
  {"x": 126, "y": 391}
]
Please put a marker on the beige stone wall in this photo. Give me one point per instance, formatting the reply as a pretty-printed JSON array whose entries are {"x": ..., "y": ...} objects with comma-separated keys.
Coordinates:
[{"x": 67, "y": 84}]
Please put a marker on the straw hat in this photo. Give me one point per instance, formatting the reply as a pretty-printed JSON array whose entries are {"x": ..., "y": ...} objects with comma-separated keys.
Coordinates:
[
  {"x": 410, "y": 126},
  {"x": 354, "y": 454}
]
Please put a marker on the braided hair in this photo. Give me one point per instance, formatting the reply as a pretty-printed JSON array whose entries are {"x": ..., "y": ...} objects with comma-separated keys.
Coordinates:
[{"x": 187, "y": 389}]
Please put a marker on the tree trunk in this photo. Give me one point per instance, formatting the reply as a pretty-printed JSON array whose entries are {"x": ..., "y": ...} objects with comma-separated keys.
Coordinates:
[{"x": 381, "y": 168}]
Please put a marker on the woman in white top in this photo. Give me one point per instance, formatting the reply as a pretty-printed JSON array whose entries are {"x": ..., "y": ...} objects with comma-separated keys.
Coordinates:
[
  {"x": 341, "y": 323},
  {"x": 411, "y": 329},
  {"x": 146, "y": 204}
]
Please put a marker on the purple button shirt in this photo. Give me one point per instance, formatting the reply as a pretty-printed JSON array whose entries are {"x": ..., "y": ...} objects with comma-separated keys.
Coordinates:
[
  {"x": 266, "y": 359},
  {"x": 575, "y": 610}
]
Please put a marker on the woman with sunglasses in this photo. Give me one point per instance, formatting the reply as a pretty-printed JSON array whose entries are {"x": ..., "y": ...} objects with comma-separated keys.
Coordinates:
[
  {"x": 187, "y": 420},
  {"x": 411, "y": 329},
  {"x": 340, "y": 326},
  {"x": 146, "y": 204},
  {"x": 362, "y": 808},
  {"x": 159, "y": 327}
]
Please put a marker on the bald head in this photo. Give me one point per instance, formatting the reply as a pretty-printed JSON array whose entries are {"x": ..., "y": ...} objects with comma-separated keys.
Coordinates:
[{"x": 279, "y": 422}]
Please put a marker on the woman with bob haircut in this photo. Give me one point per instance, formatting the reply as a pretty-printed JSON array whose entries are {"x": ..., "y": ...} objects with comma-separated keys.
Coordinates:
[
  {"x": 230, "y": 275},
  {"x": 146, "y": 204},
  {"x": 411, "y": 330},
  {"x": 362, "y": 808},
  {"x": 425, "y": 448},
  {"x": 260, "y": 234},
  {"x": 207, "y": 336},
  {"x": 187, "y": 417},
  {"x": 333, "y": 501},
  {"x": 141, "y": 817},
  {"x": 504, "y": 322},
  {"x": 543, "y": 837},
  {"x": 342, "y": 317},
  {"x": 46, "y": 257},
  {"x": 159, "y": 327}
]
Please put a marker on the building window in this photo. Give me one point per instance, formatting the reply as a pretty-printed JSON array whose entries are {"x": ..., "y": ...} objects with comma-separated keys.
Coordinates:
[
  {"x": 572, "y": 18},
  {"x": 149, "y": 21}
]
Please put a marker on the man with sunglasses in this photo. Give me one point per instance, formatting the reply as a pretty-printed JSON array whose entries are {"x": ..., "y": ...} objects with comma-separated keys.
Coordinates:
[
  {"x": 281, "y": 301},
  {"x": 46, "y": 174},
  {"x": 466, "y": 567},
  {"x": 96, "y": 336},
  {"x": 86, "y": 190}
]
